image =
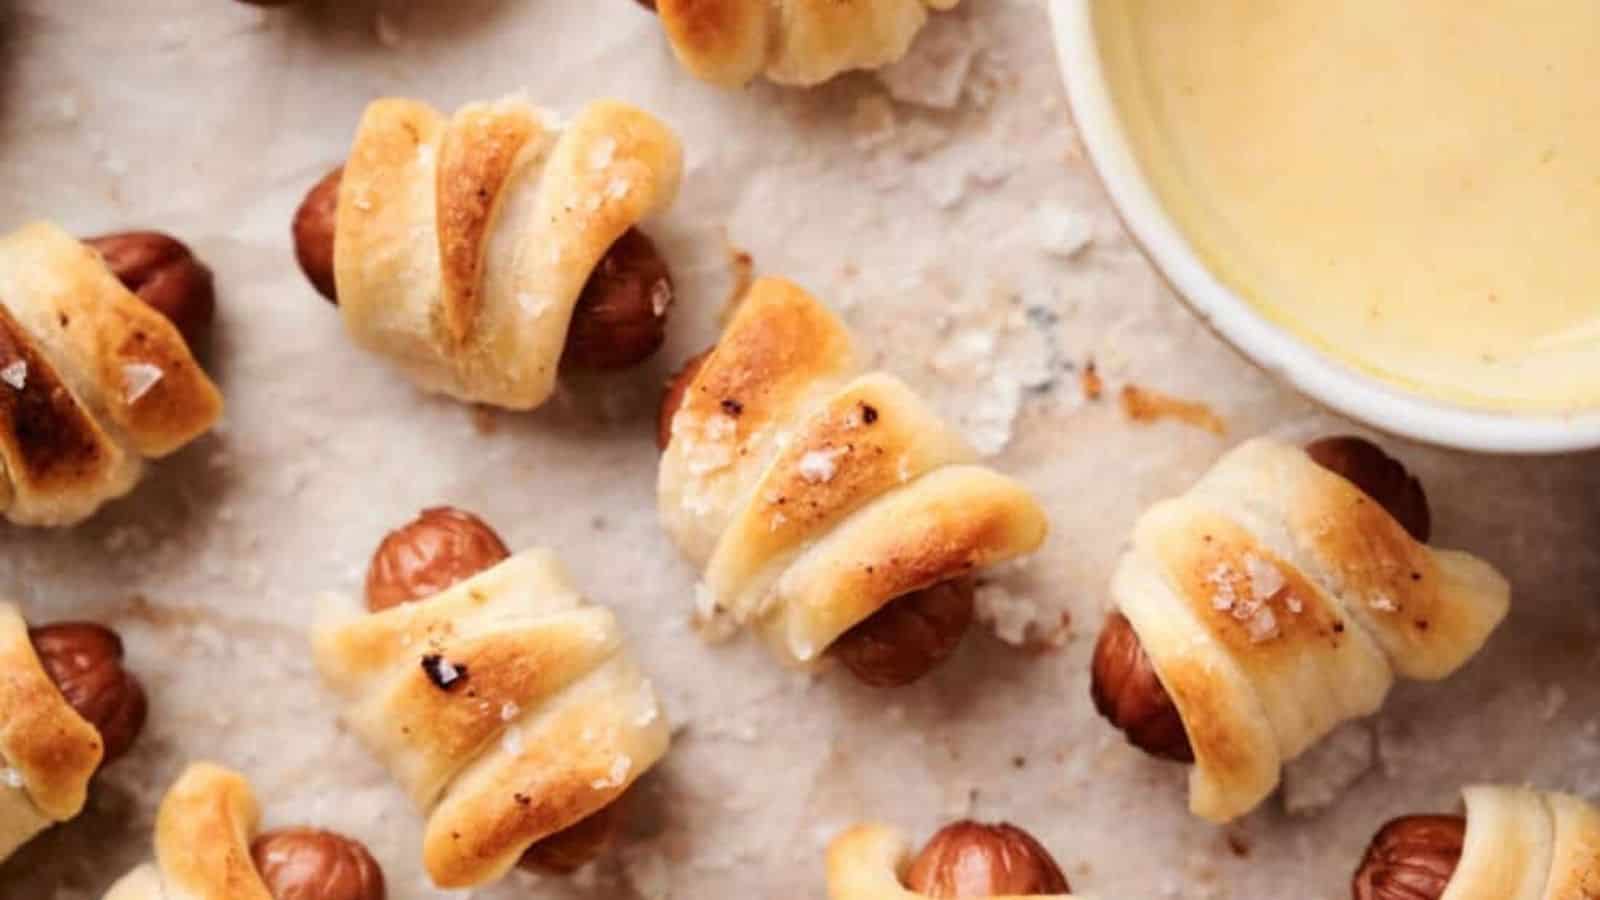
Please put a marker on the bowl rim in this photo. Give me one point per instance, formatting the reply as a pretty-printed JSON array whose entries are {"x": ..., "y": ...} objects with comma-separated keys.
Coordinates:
[{"x": 1279, "y": 351}]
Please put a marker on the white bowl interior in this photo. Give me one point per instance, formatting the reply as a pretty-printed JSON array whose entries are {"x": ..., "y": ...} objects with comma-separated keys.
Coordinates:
[{"x": 1332, "y": 383}]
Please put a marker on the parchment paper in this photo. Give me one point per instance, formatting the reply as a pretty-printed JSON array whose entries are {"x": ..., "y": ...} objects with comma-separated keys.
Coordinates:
[{"x": 946, "y": 210}]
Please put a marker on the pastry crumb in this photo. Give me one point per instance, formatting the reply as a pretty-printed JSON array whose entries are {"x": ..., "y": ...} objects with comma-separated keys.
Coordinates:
[{"x": 1145, "y": 406}]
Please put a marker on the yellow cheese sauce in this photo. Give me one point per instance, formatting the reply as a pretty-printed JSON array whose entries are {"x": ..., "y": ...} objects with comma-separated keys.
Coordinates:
[{"x": 1411, "y": 185}]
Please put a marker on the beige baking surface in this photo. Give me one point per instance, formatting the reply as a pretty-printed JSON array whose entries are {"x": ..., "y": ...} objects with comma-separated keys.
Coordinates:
[{"x": 949, "y": 237}]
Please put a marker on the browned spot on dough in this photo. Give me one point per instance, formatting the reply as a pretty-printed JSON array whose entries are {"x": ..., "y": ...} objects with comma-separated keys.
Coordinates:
[{"x": 46, "y": 437}]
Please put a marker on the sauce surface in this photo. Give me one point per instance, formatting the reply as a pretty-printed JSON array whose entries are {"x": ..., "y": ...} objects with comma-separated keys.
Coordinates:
[{"x": 1413, "y": 186}]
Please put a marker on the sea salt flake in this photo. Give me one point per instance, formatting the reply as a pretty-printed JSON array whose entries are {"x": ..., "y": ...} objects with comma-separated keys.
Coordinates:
[
  {"x": 1062, "y": 232},
  {"x": 1262, "y": 626},
  {"x": 15, "y": 374},
  {"x": 1220, "y": 578},
  {"x": 509, "y": 710},
  {"x": 138, "y": 379},
  {"x": 1010, "y": 616},
  {"x": 1266, "y": 579},
  {"x": 1294, "y": 603},
  {"x": 902, "y": 469},
  {"x": 1383, "y": 603},
  {"x": 11, "y": 777},
  {"x": 649, "y": 708},
  {"x": 620, "y": 767},
  {"x": 819, "y": 466}
]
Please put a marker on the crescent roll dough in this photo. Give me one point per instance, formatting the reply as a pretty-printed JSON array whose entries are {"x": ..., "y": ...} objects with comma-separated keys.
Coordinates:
[
  {"x": 1276, "y": 601},
  {"x": 810, "y": 494},
  {"x": 203, "y": 833},
  {"x": 867, "y": 862},
  {"x": 1527, "y": 845},
  {"x": 801, "y": 42},
  {"x": 48, "y": 752},
  {"x": 92, "y": 381},
  {"x": 506, "y": 706},
  {"x": 463, "y": 242}
]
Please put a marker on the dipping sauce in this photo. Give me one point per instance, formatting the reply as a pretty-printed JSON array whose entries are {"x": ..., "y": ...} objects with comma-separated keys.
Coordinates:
[{"x": 1413, "y": 186}]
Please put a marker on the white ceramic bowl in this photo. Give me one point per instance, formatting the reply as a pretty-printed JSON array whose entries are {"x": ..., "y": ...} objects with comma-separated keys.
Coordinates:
[{"x": 1328, "y": 381}]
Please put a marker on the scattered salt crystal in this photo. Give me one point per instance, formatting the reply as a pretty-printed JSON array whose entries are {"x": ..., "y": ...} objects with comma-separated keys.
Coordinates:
[
  {"x": 1009, "y": 615},
  {"x": 1221, "y": 580},
  {"x": 11, "y": 777},
  {"x": 618, "y": 188},
  {"x": 1063, "y": 232},
  {"x": 620, "y": 767},
  {"x": 1262, "y": 626},
  {"x": 15, "y": 374},
  {"x": 1266, "y": 579},
  {"x": 819, "y": 466},
  {"x": 1293, "y": 602},
  {"x": 1383, "y": 603},
  {"x": 649, "y": 709},
  {"x": 989, "y": 424},
  {"x": 138, "y": 379},
  {"x": 661, "y": 297},
  {"x": 509, "y": 710}
]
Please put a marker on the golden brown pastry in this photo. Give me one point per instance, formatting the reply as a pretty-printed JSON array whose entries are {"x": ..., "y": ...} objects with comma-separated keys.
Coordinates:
[
  {"x": 1512, "y": 844},
  {"x": 505, "y": 704},
  {"x": 801, "y": 42},
  {"x": 67, "y": 707},
  {"x": 1275, "y": 600},
  {"x": 826, "y": 506},
  {"x": 963, "y": 861},
  {"x": 93, "y": 381},
  {"x": 208, "y": 847},
  {"x": 481, "y": 252}
]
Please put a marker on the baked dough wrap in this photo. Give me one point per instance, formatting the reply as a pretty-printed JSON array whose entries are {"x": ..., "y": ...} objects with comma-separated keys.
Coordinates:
[
  {"x": 93, "y": 381},
  {"x": 48, "y": 752},
  {"x": 811, "y": 495},
  {"x": 203, "y": 832},
  {"x": 1523, "y": 844},
  {"x": 868, "y": 862},
  {"x": 506, "y": 706},
  {"x": 464, "y": 242},
  {"x": 798, "y": 42},
  {"x": 1276, "y": 600}
]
